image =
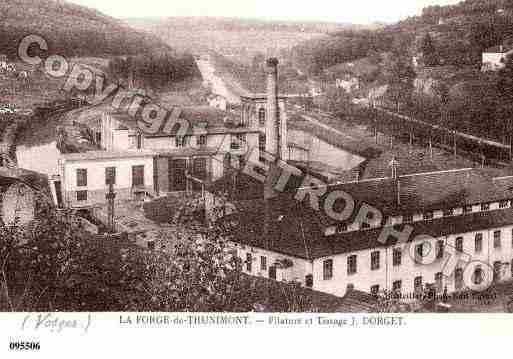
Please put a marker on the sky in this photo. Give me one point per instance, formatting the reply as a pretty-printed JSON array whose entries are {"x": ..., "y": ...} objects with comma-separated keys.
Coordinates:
[{"x": 344, "y": 11}]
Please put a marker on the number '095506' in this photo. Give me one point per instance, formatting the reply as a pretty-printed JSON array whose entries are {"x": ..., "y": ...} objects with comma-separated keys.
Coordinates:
[{"x": 24, "y": 346}]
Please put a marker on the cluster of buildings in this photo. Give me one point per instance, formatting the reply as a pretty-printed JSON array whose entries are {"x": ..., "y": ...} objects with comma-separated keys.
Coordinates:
[{"x": 464, "y": 214}]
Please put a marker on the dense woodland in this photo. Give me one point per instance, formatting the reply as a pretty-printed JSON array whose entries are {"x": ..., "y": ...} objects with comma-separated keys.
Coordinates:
[
  {"x": 70, "y": 30},
  {"x": 466, "y": 29},
  {"x": 154, "y": 70}
]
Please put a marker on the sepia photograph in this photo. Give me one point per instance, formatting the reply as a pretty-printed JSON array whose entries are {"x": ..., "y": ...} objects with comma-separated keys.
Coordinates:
[{"x": 254, "y": 164}]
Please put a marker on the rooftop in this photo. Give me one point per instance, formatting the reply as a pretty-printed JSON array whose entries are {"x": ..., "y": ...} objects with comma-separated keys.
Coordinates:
[
  {"x": 297, "y": 229},
  {"x": 295, "y": 236},
  {"x": 105, "y": 155},
  {"x": 213, "y": 120},
  {"x": 498, "y": 49}
]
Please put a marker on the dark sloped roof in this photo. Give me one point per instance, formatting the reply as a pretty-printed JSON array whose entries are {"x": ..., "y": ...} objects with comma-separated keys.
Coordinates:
[
  {"x": 286, "y": 236},
  {"x": 497, "y": 49},
  {"x": 212, "y": 119}
]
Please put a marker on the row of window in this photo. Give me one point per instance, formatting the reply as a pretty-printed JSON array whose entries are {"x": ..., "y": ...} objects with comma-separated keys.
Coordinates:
[
  {"x": 184, "y": 141},
  {"x": 420, "y": 252},
  {"x": 450, "y": 212},
  {"x": 110, "y": 176},
  {"x": 477, "y": 278},
  {"x": 408, "y": 218}
]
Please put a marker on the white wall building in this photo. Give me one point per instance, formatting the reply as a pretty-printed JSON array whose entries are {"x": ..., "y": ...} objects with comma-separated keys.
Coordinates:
[
  {"x": 213, "y": 139},
  {"x": 461, "y": 236},
  {"x": 494, "y": 58},
  {"x": 85, "y": 176}
]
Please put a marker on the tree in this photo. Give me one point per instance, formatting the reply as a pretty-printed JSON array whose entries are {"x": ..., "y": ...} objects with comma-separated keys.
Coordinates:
[
  {"x": 399, "y": 74},
  {"x": 336, "y": 100},
  {"x": 54, "y": 265},
  {"x": 504, "y": 110},
  {"x": 442, "y": 91},
  {"x": 429, "y": 51}
]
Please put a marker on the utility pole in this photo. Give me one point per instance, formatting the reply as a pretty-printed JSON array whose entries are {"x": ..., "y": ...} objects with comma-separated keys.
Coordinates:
[{"x": 110, "y": 196}]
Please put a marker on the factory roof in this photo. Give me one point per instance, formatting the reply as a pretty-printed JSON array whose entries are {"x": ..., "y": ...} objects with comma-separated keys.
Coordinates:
[
  {"x": 297, "y": 236},
  {"x": 105, "y": 155},
  {"x": 199, "y": 118}
]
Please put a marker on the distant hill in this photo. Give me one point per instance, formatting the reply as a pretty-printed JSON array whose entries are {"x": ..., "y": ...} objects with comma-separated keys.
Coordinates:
[
  {"x": 70, "y": 29},
  {"x": 239, "y": 39},
  {"x": 460, "y": 32}
]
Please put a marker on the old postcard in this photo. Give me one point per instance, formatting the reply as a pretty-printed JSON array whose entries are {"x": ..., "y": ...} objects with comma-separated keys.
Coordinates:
[{"x": 314, "y": 169}]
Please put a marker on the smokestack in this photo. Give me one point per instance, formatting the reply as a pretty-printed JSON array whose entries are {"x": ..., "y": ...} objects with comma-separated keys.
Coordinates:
[
  {"x": 272, "y": 143},
  {"x": 272, "y": 128}
]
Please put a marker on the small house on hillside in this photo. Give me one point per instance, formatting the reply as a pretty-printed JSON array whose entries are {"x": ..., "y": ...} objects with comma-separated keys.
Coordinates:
[{"x": 495, "y": 57}]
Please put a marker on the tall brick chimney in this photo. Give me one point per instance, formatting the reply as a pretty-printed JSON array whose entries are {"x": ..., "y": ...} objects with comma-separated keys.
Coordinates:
[
  {"x": 273, "y": 141},
  {"x": 272, "y": 125}
]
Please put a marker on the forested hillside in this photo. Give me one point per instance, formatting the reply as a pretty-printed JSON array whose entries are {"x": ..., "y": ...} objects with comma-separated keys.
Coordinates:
[
  {"x": 460, "y": 33},
  {"x": 70, "y": 30}
]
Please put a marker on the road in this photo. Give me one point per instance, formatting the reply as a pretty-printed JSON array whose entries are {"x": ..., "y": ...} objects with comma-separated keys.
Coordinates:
[{"x": 208, "y": 73}]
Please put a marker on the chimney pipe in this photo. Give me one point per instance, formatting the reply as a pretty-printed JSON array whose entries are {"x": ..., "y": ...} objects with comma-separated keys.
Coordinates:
[
  {"x": 272, "y": 128},
  {"x": 272, "y": 143}
]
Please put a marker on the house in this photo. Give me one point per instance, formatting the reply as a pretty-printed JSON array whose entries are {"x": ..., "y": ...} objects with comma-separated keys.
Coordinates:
[
  {"x": 494, "y": 58},
  {"x": 463, "y": 216},
  {"x": 214, "y": 140},
  {"x": 85, "y": 177},
  {"x": 254, "y": 109}
]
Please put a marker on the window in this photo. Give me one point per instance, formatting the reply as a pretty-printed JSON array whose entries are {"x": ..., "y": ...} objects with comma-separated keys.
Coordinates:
[
  {"x": 249, "y": 262},
  {"x": 81, "y": 195},
  {"x": 448, "y": 212},
  {"x": 467, "y": 209},
  {"x": 327, "y": 269},
  {"x": 374, "y": 290},
  {"x": 182, "y": 141},
  {"x": 397, "y": 257},
  {"x": 439, "y": 281},
  {"x": 459, "y": 244},
  {"x": 309, "y": 280},
  {"x": 419, "y": 252},
  {"x": 427, "y": 216},
  {"x": 202, "y": 140},
  {"x": 375, "y": 260},
  {"x": 81, "y": 177},
  {"x": 365, "y": 225},
  {"x": 237, "y": 141},
  {"x": 485, "y": 207},
  {"x": 458, "y": 278},
  {"x": 478, "y": 275},
  {"x": 497, "y": 266},
  {"x": 351, "y": 265},
  {"x": 503, "y": 204},
  {"x": 440, "y": 249},
  {"x": 408, "y": 218},
  {"x": 261, "y": 116},
  {"x": 479, "y": 242},
  {"x": 396, "y": 286},
  {"x": 137, "y": 176},
  {"x": 342, "y": 228},
  {"x": 263, "y": 263},
  {"x": 110, "y": 175},
  {"x": 511, "y": 267},
  {"x": 417, "y": 284},
  {"x": 497, "y": 239}
]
